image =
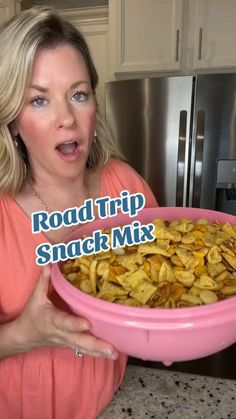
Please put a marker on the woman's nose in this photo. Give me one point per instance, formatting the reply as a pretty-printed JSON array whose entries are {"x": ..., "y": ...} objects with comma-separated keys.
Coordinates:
[{"x": 64, "y": 115}]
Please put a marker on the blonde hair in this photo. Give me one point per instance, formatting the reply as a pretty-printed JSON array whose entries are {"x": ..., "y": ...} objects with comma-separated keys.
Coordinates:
[{"x": 20, "y": 39}]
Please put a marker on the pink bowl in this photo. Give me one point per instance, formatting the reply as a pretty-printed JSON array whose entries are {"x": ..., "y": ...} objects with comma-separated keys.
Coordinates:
[{"x": 165, "y": 335}]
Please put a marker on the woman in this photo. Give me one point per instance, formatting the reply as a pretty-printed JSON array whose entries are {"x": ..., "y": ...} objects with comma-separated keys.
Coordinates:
[{"x": 53, "y": 156}]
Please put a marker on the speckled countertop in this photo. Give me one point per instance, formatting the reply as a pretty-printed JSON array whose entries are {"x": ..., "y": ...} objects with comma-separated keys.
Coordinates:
[{"x": 151, "y": 393}]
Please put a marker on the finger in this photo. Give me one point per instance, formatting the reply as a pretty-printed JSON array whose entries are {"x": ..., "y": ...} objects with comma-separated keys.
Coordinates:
[
  {"x": 90, "y": 345},
  {"x": 100, "y": 354},
  {"x": 68, "y": 323},
  {"x": 44, "y": 280}
]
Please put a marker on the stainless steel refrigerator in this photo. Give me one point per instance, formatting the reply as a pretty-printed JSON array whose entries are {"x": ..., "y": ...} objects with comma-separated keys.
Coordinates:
[{"x": 179, "y": 133}]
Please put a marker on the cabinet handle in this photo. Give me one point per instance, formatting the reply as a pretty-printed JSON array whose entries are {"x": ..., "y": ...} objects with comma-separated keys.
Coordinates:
[
  {"x": 200, "y": 44},
  {"x": 177, "y": 46}
]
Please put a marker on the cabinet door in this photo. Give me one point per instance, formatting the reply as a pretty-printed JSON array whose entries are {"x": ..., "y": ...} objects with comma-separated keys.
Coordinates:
[
  {"x": 215, "y": 34},
  {"x": 7, "y": 10},
  {"x": 145, "y": 36}
]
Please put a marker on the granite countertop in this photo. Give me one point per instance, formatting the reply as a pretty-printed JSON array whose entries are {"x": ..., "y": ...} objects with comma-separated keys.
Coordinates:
[{"x": 152, "y": 393}]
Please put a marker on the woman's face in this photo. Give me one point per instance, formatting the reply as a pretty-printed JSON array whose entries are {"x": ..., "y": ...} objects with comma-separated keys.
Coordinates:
[{"x": 57, "y": 120}]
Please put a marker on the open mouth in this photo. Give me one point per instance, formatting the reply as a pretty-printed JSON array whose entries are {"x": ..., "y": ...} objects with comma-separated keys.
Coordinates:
[{"x": 69, "y": 147}]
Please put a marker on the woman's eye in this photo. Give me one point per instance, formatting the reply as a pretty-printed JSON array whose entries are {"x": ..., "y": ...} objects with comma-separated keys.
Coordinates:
[
  {"x": 38, "y": 101},
  {"x": 80, "y": 96}
]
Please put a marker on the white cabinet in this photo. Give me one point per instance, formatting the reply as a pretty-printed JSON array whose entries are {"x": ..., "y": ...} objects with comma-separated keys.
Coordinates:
[
  {"x": 171, "y": 36},
  {"x": 145, "y": 35},
  {"x": 7, "y": 10},
  {"x": 214, "y": 34},
  {"x": 93, "y": 23}
]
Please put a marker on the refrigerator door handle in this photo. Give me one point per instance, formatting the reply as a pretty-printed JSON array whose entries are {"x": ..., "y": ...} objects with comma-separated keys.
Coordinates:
[
  {"x": 181, "y": 159},
  {"x": 198, "y": 162}
]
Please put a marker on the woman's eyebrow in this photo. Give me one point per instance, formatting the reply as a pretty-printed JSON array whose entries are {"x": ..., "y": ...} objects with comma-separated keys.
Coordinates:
[
  {"x": 77, "y": 83},
  {"x": 45, "y": 90},
  {"x": 40, "y": 88}
]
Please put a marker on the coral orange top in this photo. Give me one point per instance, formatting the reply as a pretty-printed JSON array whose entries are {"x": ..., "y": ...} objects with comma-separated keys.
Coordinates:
[{"x": 52, "y": 383}]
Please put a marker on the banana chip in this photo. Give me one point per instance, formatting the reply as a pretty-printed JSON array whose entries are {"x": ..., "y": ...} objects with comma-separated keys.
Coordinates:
[
  {"x": 189, "y": 263},
  {"x": 186, "y": 257}
]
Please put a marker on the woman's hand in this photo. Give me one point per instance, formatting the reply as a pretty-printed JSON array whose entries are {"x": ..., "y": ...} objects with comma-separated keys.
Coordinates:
[{"x": 41, "y": 324}]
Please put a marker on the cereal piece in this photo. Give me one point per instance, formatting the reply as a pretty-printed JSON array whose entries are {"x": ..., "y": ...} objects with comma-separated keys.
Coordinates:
[
  {"x": 188, "y": 238},
  {"x": 230, "y": 259},
  {"x": 166, "y": 234},
  {"x": 227, "y": 249},
  {"x": 222, "y": 276},
  {"x": 195, "y": 291},
  {"x": 166, "y": 274},
  {"x": 187, "y": 259},
  {"x": 208, "y": 239},
  {"x": 85, "y": 286},
  {"x": 215, "y": 269},
  {"x": 227, "y": 228},
  {"x": 156, "y": 261},
  {"x": 101, "y": 266},
  {"x": 186, "y": 278},
  {"x": 229, "y": 290},
  {"x": 111, "y": 292},
  {"x": 185, "y": 225},
  {"x": 130, "y": 261},
  {"x": 205, "y": 282},
  {"x": 67, "y": 266},
  {"x": 114, "y": 271},
  {"x": 72, "y": 277},
  {"x": 208, "y": 296},
  {"x": 176, "y": 261},
  {"x": 130, "y": 302},
  {"x": 201, "y": 221},
  {"x": 192, "y": 299},
  {"x": 214, "y": 255},
  {"x": 152, "y": 248}
]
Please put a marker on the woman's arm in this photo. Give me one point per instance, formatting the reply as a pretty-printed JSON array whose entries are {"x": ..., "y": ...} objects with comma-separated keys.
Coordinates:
[{"x": 10, "y": 341}]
